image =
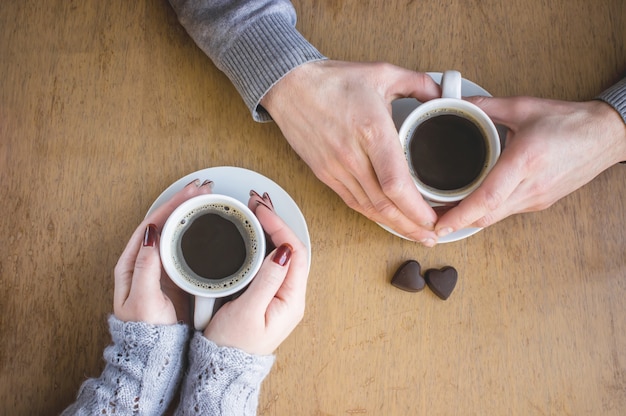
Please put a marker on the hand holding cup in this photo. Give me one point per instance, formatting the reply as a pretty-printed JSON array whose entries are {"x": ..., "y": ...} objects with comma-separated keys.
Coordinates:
[
  {"x": 142, "y": 292},
  {"x": 264, "y": 315}
]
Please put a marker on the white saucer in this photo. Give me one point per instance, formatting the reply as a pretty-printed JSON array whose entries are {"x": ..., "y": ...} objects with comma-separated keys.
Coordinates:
[
  {"x": 237, "y": 183},
  {"x": 402, "y": 107}
]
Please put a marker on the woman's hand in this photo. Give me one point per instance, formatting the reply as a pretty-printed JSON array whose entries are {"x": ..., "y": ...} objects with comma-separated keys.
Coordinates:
[
  {"x": 143, "y": 292},
  {"x": 259, "y": 320}
]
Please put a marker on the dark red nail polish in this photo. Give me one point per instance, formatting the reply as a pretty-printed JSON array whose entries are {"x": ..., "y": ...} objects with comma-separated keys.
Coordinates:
[
  {"x": 265, "y": 205},
  {"x": 255, "y": 193},
  {"x": 150, "y": 236},
  {"x": 266, "y": 198},
  {"x": 195, "y": 182},
  {"x": 208, "y": 183},
  {"x": 283, "y": 254}
]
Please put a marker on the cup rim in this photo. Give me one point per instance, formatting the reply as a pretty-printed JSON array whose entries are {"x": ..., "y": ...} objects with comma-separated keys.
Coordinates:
[
  {"x": 456, "y": 106},
  {"x": 165, "y": 250}
]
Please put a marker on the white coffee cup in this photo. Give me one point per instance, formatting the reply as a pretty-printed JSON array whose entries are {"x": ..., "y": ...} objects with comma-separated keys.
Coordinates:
[
  {"x": 446, "y": 163},
  {"x": 202, "y": 253}
]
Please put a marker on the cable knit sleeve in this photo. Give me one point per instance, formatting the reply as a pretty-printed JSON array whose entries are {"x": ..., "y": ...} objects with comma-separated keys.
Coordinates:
[
  {"x": 143, "y": 368},
  {"x": 254, "y": 42},
  {"x": 615, "y": 96},
  {"x": 222, "y": 381}
]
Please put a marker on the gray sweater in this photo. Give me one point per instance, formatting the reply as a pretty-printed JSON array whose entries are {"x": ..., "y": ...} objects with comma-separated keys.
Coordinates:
[
  {"x": 615, "y": 96},
  {"x": 255, "y": 43},
  {"x": 144, "y": 366}
]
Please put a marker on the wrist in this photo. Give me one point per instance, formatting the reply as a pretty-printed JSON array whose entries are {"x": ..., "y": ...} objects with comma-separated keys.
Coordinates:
[
  {"x": 615, "y": 97},
  {"x": 613, "y": 127},
  {"x": 288, "y": 88}
]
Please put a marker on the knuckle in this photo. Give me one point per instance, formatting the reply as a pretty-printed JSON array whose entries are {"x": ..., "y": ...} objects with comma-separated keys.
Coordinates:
[
  {"x": 298, "y": 312},
  {"x": 368, "y": 132},
  {"x": 142, "y": 263},
  {"x": 393, "y": 187},
  {"x": 541, "y": 204},
  {"x": 350, "y": 161},
  {"x": 492, "y": 199},
  {"x": 117, "y": 270},
  {"x": 324, "y": 176},
  {"x": 486, "y": 220},
  {"x": 387, "y": 209},
  {"x": 353, "y": 203},
  {"x": 271, "y": 277}
]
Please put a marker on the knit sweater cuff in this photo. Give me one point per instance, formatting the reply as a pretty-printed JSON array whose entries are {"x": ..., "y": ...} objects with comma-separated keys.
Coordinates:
[
  {"x": 222, "y": 380},
  {"x": 143, "y": 368},
  {"x": 268, "y": 49},
  {"x": 140, "y": 343},
  {"x": 615, "y": 96}
]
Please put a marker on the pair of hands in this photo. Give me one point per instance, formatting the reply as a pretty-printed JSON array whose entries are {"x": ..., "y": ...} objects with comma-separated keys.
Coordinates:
[
  {"x": 256, "y": 322},
  {"x": 337, "y": 117}
]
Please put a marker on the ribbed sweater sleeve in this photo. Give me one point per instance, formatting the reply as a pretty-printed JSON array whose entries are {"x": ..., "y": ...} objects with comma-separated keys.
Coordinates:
[
  {"x": 222, "y": 381},
  {"x": 143, "y": 368},
  {"x": 615, "y": 96},
  {"x": 254, "y": 42}
]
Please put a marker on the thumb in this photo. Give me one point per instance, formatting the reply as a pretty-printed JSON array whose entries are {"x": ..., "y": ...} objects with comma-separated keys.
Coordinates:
[
  {"x": 147, "y": 274},
  {"x": 418, "y": 85},
  {"x": 500, "y": 110},
  {"x": 269, "y": 279}
]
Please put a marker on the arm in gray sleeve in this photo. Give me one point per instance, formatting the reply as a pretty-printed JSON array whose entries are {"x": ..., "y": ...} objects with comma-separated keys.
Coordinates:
[
  {"x": 143, "y": 369},
  {"x": 254, "y": 42},
  {"x": 615, "y": 96},
  {"x": 222, "y": 381}
]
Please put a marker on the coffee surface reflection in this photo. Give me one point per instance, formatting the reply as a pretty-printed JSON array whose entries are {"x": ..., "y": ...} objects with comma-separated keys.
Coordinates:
[
  {"x": 447, "y": 152},
  {"x": 213, "y": 247}
]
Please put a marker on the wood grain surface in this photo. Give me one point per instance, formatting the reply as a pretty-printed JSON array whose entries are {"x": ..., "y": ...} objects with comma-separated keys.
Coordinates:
[{"x": 105, "y": 104}]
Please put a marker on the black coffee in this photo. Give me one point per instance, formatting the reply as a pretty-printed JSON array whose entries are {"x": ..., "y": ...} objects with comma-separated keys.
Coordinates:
[
  {"x": 447, "y": 152},
  {"x": 213, "y": 247}
]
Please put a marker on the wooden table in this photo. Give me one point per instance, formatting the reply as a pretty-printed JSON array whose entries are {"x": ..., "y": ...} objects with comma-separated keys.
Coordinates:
[{"x": 104, "y": 104}]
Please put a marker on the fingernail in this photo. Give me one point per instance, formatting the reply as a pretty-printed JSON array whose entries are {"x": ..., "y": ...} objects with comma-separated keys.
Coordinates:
[
  {"x": 255, "y": 193},
  {"x": 283, "y": 254},
  {"x": 428, "y": 242},
  {"x": 266, "y": 198},
  {"x": 265, "y": 205},
  {"x": 444, "y": 231},
  {"x": 195, "y": 182},
  {"x": 208, "y": 183},
  {"x": 150, "y": 236}
]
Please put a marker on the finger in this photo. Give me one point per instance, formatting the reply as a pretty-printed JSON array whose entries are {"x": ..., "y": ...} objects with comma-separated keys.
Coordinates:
[
  {"x": 399, "y": 206},
  {"x": 294, "y": 285},
  {"x": 407, "y": 83},
  {"x": 394, "y": 180},
  {"x": 147, "y": 272},
  {"x": 194, "y": 188},
  {"x": 125, "y": 266},
  {"x": 268, "y": 280},
  {"x": 490, "y": 197},
  {"x": 357, "y": 184},
  {"x": 496, "y": 215},
  {"x": 510, "y": 112}
]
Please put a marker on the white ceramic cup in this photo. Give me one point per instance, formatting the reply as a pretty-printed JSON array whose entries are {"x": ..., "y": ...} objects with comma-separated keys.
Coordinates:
[
  {"x": 205, "y": 290},
  {"x": 451, "y": 103}
]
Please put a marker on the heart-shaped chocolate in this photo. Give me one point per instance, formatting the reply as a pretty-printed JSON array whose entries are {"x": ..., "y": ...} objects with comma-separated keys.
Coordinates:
[
  {"x": 408, "y": 277},
  {"x": 442, "y": 281}
]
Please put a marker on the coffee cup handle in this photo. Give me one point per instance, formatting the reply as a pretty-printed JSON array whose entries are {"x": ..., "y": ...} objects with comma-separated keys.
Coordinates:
[
  {"x": 451, "y": 84},
  {"x": 203, "y": 311}
]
